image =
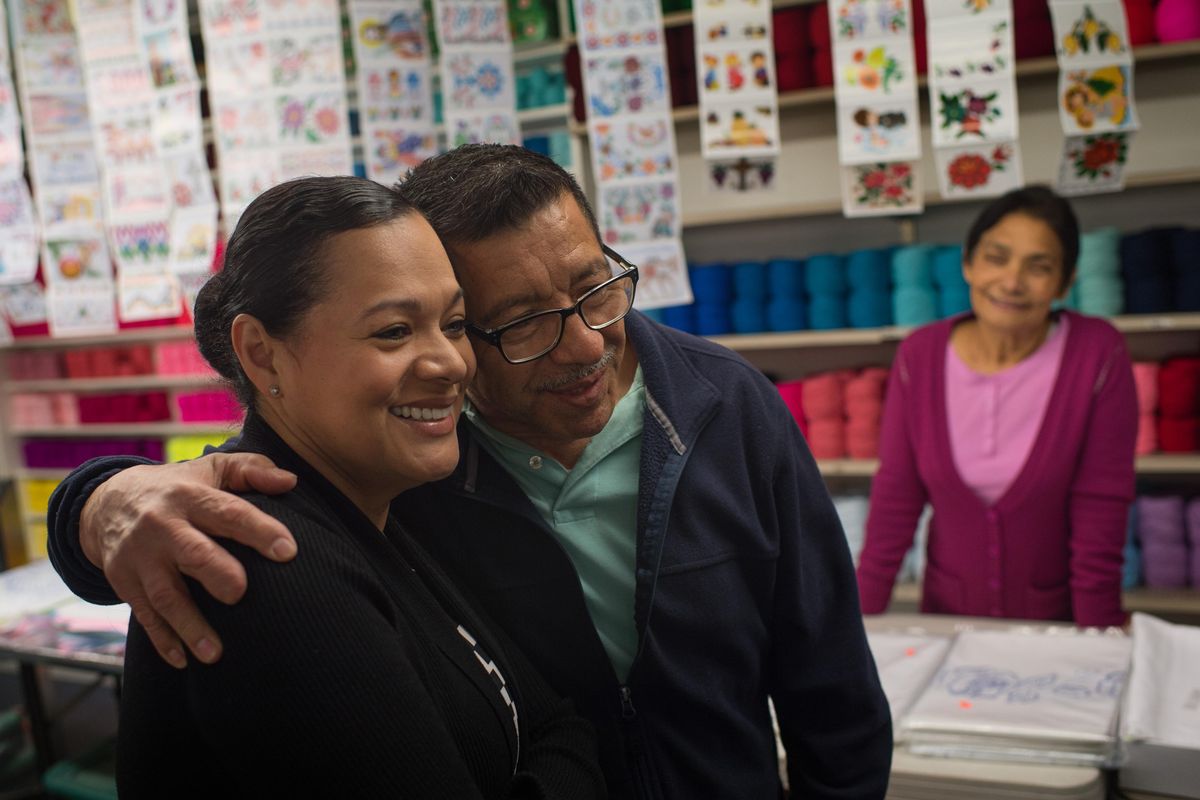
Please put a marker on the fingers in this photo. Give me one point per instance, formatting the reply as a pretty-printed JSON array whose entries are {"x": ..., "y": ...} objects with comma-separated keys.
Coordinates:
[
  {"x": 239, "y": 472},
  {"x": 170, "y": 617},
  {"x": 222, "y": 514}
]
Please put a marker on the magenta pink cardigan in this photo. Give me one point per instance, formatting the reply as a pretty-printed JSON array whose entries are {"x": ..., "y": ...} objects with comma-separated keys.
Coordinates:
[{"x": 1051, "y": 546}]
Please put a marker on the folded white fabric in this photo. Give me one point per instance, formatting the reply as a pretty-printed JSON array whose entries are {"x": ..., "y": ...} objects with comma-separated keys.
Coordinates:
[
  {"x": 1163, "y": 702},
  {"x": 906, "y": 662},
  {"x": 1047, "y": 695}
]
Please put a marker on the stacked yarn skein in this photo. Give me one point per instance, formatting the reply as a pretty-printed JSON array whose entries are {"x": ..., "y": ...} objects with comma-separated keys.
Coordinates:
[
  {"x": 1131, "y": 570},
  {"x": 825, "y": 279},
  {"x": 1192, "y": 521},
  {"x": 1179, "y": 405},
  {"x": 864, "y": 412},
  {"x": 1145, "y": 378},
  {"x": 1146, "y": 268},
  {"x": 712, "y": 286},
  {"x": 749, "y": 312},
  {"x": 824, "y": 407},
  {"x": 792, "y": 393},
  {"x": 915, "y": 301},
  {"x": 1185, "y": 261},
  {"x": 785, "y": 295},
  {"x": 1098, "y": 276},
  {"x": 954, "y": 296},
  {"x": 1161, "y": 530},
  {"x": 869, "y": 275}
]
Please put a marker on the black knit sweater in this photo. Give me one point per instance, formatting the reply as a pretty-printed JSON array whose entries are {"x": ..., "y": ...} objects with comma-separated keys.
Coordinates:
[{"x": 355, "y": 670}]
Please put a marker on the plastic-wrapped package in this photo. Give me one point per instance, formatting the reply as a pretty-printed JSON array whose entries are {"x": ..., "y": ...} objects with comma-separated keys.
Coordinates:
[{"x": 1043, "y": 695}]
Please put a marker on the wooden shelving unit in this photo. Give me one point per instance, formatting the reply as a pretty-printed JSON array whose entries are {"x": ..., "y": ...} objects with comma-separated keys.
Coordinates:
[{"x": 131, "y": 383}]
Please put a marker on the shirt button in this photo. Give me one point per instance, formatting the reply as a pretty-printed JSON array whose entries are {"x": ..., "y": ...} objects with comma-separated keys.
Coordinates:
[{"x": 535, "y": 462}]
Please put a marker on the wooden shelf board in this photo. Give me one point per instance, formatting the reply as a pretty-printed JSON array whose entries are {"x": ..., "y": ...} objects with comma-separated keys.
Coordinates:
[
  {"x": 850, "y": 337},
  {"x": 132, "y": 429},
  {"x": 116, "y": 383},
  {"x": 130, "y": 336},
  {"x": 41, "y": 474},
  {"x": 932, "y": 198}
]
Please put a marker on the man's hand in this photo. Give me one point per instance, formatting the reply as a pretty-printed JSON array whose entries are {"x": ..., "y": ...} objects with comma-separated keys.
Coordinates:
[{"x": 145, "y": 526}]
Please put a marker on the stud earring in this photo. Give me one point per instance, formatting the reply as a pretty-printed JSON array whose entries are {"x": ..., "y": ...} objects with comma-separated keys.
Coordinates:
[{"x": 274, "y": 390}]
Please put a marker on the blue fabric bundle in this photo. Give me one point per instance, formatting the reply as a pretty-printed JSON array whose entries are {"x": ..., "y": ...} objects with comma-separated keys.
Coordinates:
[
  {"x": 914, "y": 299},
  {"x": 825, "y": 279},
  {"x": 870, "y": 308},
  {"x": 681, "y": 318},
  {"x": 1185, "y": 257},
  {"x": 749, "y": 311},
  {"x": 1100, "y": 296},
  {"x": 1146, "y": 267},
  {"x": 912, "y": 266},
  {"x": 824, "y": 275},
  {"x": 1131, "y": 575},
  {"x": 914, "y": 305},
  {"x": 785, "y": 278},
  {"x": 750, "y": 280},
  {"x": 1098, "y": 286},
  {"x": 749, "y": 316},
  {"x": 713, "y": 319},
  {"x": 869, "y": 270},
  {"x": 784, "y": 314},
  {"x": 947, "y": 267},
  {"x": 827, "y": 312},
  {"x": 712, "y": 283}
]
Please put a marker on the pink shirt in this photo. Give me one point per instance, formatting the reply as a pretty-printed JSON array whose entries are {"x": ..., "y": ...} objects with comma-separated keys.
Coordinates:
[{"x": 994, "y": 419}]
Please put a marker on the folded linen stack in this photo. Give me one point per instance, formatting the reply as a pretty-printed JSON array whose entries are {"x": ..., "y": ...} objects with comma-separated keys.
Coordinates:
[
  {"x": 1043, "y": 696},
  {"x": 906, "y": 662}
]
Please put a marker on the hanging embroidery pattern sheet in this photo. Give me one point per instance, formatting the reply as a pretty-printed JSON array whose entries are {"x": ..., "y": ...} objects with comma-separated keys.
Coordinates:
[
  {"x": 973, "y": 98},
  {"x": 391, "y": 51},
  {"x": 632, "y": 138},
  {"x": 476, "y": 66},
  {"x": 878, "y": 122},
  {"x": 736, "y": 83},
  {"x": 1095, "y": 94},
  {"x": 278, "y": 94},
  {"x": 18, "y": 221}
]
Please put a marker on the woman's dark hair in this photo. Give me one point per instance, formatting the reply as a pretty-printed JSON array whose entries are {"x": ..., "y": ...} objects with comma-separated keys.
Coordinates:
[
  {"x": 477, "y": 190},
  {"x": 1041, "y": 203},
  {"x": 273, "y": 262}
]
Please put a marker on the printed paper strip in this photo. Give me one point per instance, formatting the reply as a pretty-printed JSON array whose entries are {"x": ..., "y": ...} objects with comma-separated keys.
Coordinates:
[
  {"x": 973, "y": 98},
  {"x": 632, "y": 138},
  {"x": 1095, "y": 94},
  {"x": 878, "y": 123},
  {"x": 393, "y": 73},
  {"x": 479, "y": 99}
]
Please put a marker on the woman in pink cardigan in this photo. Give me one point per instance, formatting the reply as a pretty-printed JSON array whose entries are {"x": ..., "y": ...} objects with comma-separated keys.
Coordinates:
[{"x": 1017, "y": 424}]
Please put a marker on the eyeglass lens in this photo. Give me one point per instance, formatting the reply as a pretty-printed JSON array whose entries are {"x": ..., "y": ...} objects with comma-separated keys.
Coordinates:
[{"x": 602, "y": 307}]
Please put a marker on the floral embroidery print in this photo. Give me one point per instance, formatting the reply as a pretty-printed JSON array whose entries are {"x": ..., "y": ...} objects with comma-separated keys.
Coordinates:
[
  {"x": 1098, "y": 156},
  {"x": 884, "y": 185},
  {"x": 1090, "y": 33}
]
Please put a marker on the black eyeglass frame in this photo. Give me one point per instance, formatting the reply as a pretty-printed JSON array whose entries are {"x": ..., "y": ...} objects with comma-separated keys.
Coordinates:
[{"x": 492, "y": 335}]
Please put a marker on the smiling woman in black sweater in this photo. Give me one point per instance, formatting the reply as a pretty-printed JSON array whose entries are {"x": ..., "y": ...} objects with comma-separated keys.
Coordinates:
[{"x": 356, "y": 669}]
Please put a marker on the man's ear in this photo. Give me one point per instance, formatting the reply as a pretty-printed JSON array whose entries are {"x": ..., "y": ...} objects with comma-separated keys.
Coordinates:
[{"x": 257, "y": 351}]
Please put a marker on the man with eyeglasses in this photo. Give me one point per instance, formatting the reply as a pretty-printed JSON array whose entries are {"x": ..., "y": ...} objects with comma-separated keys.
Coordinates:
[{"x": 634, "y": 505}]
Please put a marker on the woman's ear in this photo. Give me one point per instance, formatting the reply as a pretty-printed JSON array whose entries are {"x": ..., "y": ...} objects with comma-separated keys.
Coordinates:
[{"x": 256, "y": 350}]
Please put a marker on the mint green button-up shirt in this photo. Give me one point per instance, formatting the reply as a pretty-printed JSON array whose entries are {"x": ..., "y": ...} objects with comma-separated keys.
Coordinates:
[{"x": 592, "y": 510}]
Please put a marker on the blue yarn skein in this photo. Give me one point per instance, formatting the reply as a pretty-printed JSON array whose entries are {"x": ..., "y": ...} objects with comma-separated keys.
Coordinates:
[
  {"x": 870, "y": 308},
  {"x": 785, "y": 314},
  {"x": 824, "y": 275},
  {"x": 914, "y": 305},
  {"x": 913, "y": 266},
  {"x": 826, "y": 312},
  {"x": 750, "y": 280},
  {"x": 869, "y": 270},
  {"x": 785, "y": 278},
  {"x": 947, "y": 267},
  {"x": 711, "y": 283}
]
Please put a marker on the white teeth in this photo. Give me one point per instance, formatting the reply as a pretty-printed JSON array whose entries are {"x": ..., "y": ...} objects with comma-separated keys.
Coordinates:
[{"x": 415, "y": 412}]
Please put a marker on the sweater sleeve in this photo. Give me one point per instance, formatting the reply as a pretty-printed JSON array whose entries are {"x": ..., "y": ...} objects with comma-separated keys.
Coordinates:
[
  {"x": 833, "y": 716},
  {"x": 897, "y": 495},
  {"x": 62, "y": 520},
  {"x": 316, "y": 693},
  {"x": 1101, "y": 492}
]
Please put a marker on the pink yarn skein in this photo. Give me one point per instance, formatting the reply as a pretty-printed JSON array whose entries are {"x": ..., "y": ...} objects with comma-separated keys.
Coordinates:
[{"x": 1177, "y": 20}]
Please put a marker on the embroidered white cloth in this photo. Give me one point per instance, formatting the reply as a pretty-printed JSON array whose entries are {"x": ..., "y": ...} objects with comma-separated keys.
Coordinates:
[
  {"x": 1026, "y": 694},
  {"x": 1163, "y": 702},
  {"x": 906, "y": 662}
]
